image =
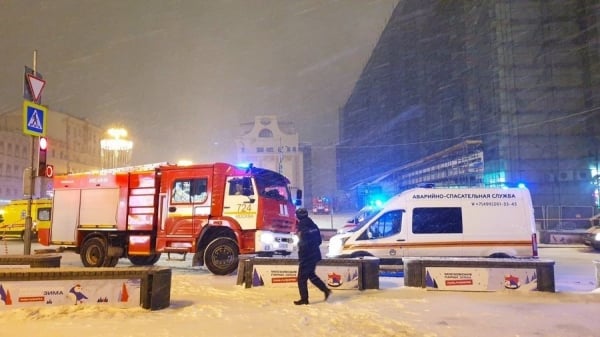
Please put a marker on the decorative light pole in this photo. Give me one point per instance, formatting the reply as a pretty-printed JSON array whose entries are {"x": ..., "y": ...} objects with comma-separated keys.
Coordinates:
[{"x": 116, "y": 149}]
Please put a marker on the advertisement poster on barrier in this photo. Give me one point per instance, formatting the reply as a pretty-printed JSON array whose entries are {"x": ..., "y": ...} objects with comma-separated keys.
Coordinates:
[
  {"x": 480, "y": 279},
  {"x": 286, "y": 276},
  {"x": 117, "y": 292}
]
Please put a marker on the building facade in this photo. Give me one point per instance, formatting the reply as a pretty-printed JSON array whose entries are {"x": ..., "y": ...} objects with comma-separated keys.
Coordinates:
[
  {"x": 272, "y": 144},
  {"x": 521, "y": 77},
  {"x": 73, "y": 146}
]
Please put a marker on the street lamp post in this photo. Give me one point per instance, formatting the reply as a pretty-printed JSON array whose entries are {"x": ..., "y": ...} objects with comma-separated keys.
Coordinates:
[{"x": 116, "y": 149}]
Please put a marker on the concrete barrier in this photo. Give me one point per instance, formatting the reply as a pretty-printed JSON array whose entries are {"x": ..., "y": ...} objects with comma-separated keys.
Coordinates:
[
  {"x": 33, "y": 261},
  {"x": 564, "y": 237},
  {"x": 492, "y": 274},
  {"x": 597, "y": 264},
  {"x": 44, "y": 286},
  {"x": 360, "y": 273}
]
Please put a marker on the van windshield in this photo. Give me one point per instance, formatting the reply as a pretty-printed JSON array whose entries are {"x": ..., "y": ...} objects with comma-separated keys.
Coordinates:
[
  {"x": 362, "y": 217},
  {"x": 386, "y": 225}
]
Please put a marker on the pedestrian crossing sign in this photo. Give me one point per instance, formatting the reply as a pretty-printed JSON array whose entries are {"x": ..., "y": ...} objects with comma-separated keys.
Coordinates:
[{"x": 34, "y": 119}]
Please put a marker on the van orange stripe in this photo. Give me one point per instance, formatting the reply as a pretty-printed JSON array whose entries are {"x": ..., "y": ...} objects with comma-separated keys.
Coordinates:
[{"x": 398, "y": 245}]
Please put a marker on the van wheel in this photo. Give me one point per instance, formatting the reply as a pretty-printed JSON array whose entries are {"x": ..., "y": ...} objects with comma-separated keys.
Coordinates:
[
  {"x": 144, "y": 260},
  {"x": 500, "y": 256},
  {"x": 221, "y": 256},
  {"x": 93, "y": 252},
  {"x": 360, "y": 254}
]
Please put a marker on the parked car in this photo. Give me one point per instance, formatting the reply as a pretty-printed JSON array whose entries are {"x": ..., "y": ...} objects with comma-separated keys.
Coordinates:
[{"x": 592, "y": 237}]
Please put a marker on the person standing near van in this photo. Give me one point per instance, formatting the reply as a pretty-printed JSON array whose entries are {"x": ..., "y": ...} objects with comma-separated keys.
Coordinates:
[{"x": 309, "y": 254}]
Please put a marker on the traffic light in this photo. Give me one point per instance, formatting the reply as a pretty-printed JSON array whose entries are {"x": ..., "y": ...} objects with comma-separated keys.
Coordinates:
[{"x": 43, "y": 148}]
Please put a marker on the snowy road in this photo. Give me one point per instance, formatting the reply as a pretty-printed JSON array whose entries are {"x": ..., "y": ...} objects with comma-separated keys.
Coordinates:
[
  {"x": 203, "y": 304},
  {"x": 207, "y": 305}
]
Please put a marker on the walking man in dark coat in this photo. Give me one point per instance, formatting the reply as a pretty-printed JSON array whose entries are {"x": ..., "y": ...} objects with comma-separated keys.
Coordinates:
[{"x": 309, "y": 254}]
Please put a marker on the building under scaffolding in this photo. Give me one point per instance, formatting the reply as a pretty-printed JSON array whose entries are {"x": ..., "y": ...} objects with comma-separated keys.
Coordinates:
[
  {"x": 521, "y": 76},
  {"x": 460, "y": 165}
]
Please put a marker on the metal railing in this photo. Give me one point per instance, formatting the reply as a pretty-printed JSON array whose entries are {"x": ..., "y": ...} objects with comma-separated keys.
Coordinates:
[{"x": 565, "y": 218}]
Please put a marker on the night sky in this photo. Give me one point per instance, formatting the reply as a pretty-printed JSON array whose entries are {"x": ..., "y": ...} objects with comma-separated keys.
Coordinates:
[{"x": 182, "y": 75}]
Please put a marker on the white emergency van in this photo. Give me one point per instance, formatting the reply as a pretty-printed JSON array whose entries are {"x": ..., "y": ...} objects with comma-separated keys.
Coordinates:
[{"x": 454, "y": 222}]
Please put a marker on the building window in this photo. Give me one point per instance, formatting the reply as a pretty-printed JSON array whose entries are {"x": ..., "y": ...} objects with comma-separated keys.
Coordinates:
[
  {"x": 265, "y": 133},
  {"x": 260, "y": 149}
]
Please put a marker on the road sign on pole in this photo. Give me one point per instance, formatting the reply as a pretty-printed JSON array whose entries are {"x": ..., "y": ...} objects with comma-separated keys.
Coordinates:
[
  {"x": 34, "y": 119},
  {"x": 34, "y": 124},
  {"x": 27, "y": 90},
  {"x": 36, "y": 85}
]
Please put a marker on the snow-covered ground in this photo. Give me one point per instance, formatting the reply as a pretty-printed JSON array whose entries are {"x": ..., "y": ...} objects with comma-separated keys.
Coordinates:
[
  {"x": 203, "y": 304},
  {"x": 207, "y": 305}
]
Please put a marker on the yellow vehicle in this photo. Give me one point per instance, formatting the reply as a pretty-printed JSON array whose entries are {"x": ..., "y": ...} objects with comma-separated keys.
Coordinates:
[{"x": 13, "y": 217}]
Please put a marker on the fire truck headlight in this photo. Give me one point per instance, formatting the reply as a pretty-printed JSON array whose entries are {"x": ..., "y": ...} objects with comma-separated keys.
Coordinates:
[
  {"x": 597, "y": 237},
  {"x": 267, "y": 238},
  {"x": 295, "y": 239}
]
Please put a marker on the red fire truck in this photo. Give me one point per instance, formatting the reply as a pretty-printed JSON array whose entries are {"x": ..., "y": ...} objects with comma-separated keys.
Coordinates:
[
  {"x": 321, "y": 205},
  {"x": 215, "y": 211}
]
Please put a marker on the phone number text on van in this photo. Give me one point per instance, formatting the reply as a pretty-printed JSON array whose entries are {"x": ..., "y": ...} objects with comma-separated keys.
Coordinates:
[{"x": 465, "y": 196}]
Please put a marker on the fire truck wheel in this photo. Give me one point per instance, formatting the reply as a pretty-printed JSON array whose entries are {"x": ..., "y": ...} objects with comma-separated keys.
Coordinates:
[
  {"x": 144, "y": 260},
  {"x": 111, "y": 261},
  {"x": 221, "y": 256},
  {"x": 93, "y": 252}
]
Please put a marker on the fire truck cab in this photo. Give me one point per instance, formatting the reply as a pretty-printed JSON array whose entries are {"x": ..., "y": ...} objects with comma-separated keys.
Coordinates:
[{"x": 216, "y": 211}]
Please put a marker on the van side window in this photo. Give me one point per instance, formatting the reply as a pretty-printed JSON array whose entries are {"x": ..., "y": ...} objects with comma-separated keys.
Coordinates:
[
  {"x": 434, "y": 220},
  {"x": 386, "y": 225}
]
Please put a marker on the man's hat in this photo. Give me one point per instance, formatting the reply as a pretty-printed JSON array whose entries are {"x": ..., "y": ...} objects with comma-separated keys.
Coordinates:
[{"x": 301, "y": 213}]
